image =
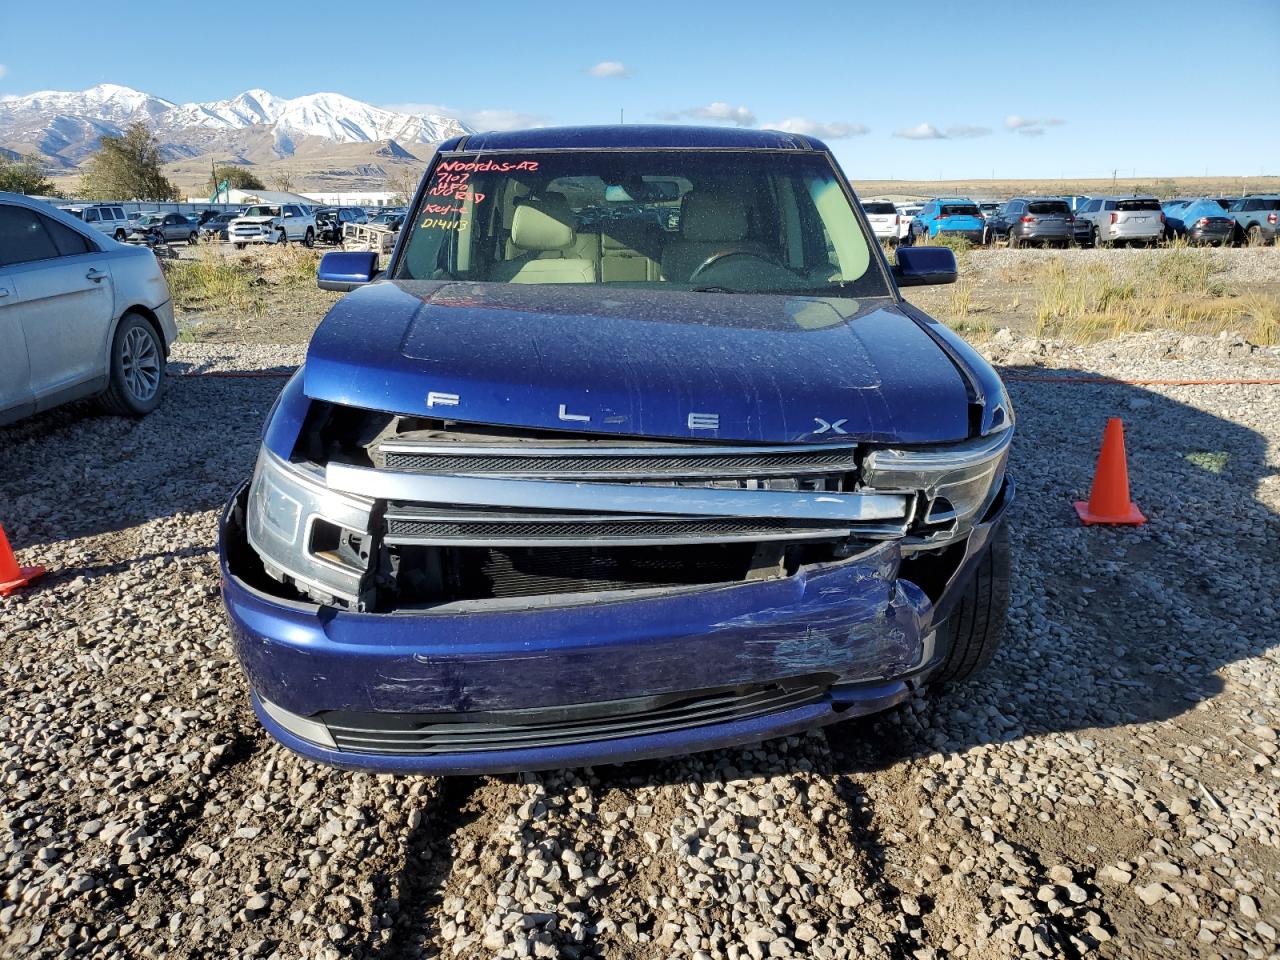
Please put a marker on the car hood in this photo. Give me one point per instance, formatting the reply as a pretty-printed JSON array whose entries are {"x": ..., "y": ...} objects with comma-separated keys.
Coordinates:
[
  {"x": 254, "y": 219},
  {"x": 753, "y": 368}
]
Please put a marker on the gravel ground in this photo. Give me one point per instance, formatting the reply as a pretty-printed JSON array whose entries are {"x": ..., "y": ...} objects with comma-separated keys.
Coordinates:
[{"x": 1107, "y": 788}]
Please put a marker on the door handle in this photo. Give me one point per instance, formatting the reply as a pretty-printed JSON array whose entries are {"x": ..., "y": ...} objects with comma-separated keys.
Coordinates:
[{"x": 95, "y": 274}]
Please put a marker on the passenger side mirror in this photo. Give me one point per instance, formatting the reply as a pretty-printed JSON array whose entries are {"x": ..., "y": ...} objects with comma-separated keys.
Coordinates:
[
  {"x": 921, "y": 266},
  {"x": 343, "y": 270}
]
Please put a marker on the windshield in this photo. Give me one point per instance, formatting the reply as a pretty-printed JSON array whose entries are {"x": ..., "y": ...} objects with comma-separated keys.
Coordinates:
[
  {"x": 262, "y": 212},
  {"x": 725, "y": 221}
]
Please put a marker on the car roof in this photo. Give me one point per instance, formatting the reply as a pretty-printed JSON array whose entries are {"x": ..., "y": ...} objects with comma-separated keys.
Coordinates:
[
  {"x": 1128, "y": 196},
  {"x": 640, "y": 135},
  {"x": 951, "y": 200}
]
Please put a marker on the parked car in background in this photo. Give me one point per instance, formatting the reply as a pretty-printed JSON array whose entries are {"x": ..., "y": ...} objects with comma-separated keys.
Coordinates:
[
  {"x": 1199, "y": 221},
  {"x": 884, "y": 219},
  {"x": 274, "y": 223},
  {"x": 1035, "y": 221},
  {"x": 171, "y": 227},
  {"x": 1256, "y": 218},
  {"x": 1124, "y": 220},
  {"x": 216, "y": 229},
  {"x": 1075, "y": 202},
  {"x": 578, "y": 546},
  {"x": 989, "y": 207},
  {"x": 906, "y": 213},
  {"x": 81, "y": 315},
  {"x": 331, "y": 220},
  {"x": 953, "y": 216},
  {"x": 108, "y": 219}
]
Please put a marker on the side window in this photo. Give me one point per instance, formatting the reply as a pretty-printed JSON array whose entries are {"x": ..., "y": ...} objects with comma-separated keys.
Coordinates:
[
  {"x": 1251, "y": 205},
  {"x": 91, "y": 216},
  {"x": 290, "y": 211},
  {"x": 68, "y": 241},
  {"x": 117, "y": 212},
  {"x": 1109, "y": 205},
  {"x": 23, "y": 237}
]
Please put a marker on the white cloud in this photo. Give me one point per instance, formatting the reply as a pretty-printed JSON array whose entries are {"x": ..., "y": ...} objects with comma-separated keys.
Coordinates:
[
  {"x": 1030, "y": 126},
  {"x": 481, "y": 119},
  {"x": 963, "y": 131},
  {"x": 717, "y": 112},
  {"x": 608, "y": 68},
  {"x": 816, "y": 128},
  {"x": 921, "y": 131}
]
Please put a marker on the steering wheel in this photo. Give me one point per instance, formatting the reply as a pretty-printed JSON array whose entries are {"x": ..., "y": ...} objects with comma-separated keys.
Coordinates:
[{"x": 719, "y": 255}]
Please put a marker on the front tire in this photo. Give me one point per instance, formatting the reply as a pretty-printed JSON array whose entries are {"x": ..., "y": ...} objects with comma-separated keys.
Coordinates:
[
  {"x": 309, "y": 239},
  {"x": 192, "y": 239},
  {"x": 137, "y": 370},
  {"x": 1013, "y": 240},
  {"x": 1253, "y": 236},
  {"x": 282, "y": 238},
  {"x": 974, "y": 630}
]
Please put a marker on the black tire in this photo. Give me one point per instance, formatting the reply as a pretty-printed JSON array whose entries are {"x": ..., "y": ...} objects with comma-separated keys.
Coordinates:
[
  {"x": 1253, "y": 236},
  {"x": 1098, "y": 242},
  {"x": 309, "y": 239},
  {"x": 1013, "y": 240},
  {"x": 974, "y": 630},
  {"x": 282, "y": 238},
  {"x": 193, "y": 238},
  {"x": 119, "y": 236},
  {"x": 137, "y": 369}
]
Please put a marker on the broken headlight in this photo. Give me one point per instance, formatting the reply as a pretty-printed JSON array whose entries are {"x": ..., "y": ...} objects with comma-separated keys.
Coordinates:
[
  {"x": 955, "y": 483},
  {"x": 305, "y": 533}
]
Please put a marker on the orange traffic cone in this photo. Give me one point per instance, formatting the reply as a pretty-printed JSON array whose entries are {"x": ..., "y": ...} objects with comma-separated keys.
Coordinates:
[
  {"x": 1109, "y": 501},
  {"x": 12, "y": 576}
]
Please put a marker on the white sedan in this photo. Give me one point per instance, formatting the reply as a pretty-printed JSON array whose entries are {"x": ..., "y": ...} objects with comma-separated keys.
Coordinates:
[{"x": 80, "y": 315}]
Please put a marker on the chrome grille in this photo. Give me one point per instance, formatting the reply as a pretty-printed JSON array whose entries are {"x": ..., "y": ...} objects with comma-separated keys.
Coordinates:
[
  {"x": 419, "y": 735},
  {"x": 416, "y": 526},
  {"x": 614, "y": 462}
]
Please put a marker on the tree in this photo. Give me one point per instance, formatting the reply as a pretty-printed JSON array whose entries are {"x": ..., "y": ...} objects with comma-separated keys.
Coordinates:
[
  {"x": 283, "y": 181},
  {"x": 127, "y": 168},
  {"x": 24, "y": 175},
  {"x": 239, "y": 177},
  {"x": 404, "y": 182}
]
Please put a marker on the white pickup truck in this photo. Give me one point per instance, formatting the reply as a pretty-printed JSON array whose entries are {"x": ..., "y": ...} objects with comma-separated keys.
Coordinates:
[{"x": 273, "y": 223}]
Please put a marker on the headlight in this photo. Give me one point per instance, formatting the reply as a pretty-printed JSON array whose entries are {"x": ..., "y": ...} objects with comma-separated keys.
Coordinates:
[
  {"x": 306, "y": 533},
  {"x": 956, "y": 482}
]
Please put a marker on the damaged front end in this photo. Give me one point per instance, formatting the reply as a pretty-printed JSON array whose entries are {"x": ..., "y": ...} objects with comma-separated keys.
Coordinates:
[{"x": 415, "y": 593}]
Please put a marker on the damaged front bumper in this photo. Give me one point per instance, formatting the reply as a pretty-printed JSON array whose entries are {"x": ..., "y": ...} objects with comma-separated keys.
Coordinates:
[{"x": 568, "y": 680}]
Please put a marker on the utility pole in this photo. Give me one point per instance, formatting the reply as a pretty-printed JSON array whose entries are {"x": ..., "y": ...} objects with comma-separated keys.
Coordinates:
[{"x": 622, "y": 113}]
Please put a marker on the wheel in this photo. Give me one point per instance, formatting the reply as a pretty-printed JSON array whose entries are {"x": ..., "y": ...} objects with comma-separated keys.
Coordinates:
[
  {"x": 1098, "y": 241},
  {"x": 193, "y": 238},
  {"x": 239, "y": 246},
  {"x": 119, "y": 236},
  {"x": 1253, "y": 236},
  {"x": 282, "y": 237},
  {"x": 1013, "y": 240},
  {"x": 309, "y": 239},
  {"x": 137, "y": 370},
  {"x": 975, "y": 628}
]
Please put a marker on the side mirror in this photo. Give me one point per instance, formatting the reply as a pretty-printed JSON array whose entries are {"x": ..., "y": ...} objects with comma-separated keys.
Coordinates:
[
  {"x": 921, "y": 266},
  {"x": 343, "y": 270}
]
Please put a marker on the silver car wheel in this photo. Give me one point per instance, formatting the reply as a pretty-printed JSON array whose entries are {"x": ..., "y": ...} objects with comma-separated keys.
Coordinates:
[{"x": 140, "y": 361}]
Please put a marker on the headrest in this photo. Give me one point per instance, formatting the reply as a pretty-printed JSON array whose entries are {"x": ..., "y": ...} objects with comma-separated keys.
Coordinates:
[
  {"x": 545, "y": 224},
  {"x": 708, "y": 217}
]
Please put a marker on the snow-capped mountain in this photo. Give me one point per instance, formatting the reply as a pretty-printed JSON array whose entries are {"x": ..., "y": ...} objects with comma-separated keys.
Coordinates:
[{"x": 65, "y": 126}]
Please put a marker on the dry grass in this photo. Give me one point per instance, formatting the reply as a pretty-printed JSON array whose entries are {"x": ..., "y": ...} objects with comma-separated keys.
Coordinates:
[
  {"x": 1181, "y": 291},
  {"x": 219, "y": 279}
]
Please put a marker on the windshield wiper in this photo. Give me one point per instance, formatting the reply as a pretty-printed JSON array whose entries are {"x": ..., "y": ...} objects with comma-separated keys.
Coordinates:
[{"x": 714, "y": 290}]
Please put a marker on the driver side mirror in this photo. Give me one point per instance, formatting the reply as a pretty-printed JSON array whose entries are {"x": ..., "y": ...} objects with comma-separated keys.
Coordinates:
[
  {"x": 345, "y": 270},
  {"x": 922, "y": 266}
]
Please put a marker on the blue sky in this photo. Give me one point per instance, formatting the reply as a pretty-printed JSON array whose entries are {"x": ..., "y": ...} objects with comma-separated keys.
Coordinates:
[{"x": 952, "y": 90}]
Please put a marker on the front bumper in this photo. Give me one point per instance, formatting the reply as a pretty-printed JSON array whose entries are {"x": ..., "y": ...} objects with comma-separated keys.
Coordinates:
[{"x": 854, "y": 627}]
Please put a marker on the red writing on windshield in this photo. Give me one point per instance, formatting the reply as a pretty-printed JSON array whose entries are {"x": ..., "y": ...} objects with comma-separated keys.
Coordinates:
[
  {"x": 486, "y": 166},
  {"x": 454, "y": 185}
]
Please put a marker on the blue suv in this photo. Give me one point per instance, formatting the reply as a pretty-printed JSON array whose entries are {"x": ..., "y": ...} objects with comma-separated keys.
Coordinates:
[
  {"x": 956, "y": 216},
  {"x": 634, "y": 448}
]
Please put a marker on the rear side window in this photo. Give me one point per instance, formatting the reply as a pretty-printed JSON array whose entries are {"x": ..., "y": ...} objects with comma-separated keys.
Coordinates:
[
  {"x": 68, "y": 242},
  {"x": 880, "y": 207},
  {"x": 1271, "y": 203},
  {"x": 960, "y": 210},
  {"x": 23, "y": 237},
  {"x": 1049, "y": 207},
  {"x": 1132, "y": 206}
]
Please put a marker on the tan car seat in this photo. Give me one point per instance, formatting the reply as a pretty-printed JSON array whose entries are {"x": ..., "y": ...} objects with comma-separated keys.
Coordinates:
[
  {"x": 708, "y": 224},
  {"x": 545, "y": 229}
]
